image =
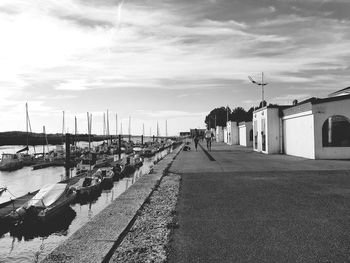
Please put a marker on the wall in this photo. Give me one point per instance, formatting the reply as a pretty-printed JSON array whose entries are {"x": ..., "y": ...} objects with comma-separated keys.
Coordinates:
[
  {"x": 298, "y": 135},
  {"x": 273, "y": 131},
  {"x": 244, "y": 134},
  {"x": 322, "y": 112},
  {"x": 233, "y": 133},
  {"x": 219, "y": 134},
  {"x": 225, "y": 135},
  {"x": 266, "y": 125}
]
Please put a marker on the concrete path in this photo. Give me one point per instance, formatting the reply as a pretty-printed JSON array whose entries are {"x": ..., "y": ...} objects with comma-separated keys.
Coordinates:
[{"x": 250, "y": 207}]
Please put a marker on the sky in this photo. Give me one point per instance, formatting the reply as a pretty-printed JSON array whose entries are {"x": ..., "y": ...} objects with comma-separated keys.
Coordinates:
[{"x": 159, "y": 60}]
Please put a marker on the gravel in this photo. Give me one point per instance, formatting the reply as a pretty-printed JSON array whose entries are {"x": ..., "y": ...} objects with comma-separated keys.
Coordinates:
[{"x": 148, "y": 238}]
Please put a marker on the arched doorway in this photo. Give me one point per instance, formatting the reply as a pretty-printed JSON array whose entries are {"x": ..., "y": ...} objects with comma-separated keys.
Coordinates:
[{"x": 336, "y": 132}]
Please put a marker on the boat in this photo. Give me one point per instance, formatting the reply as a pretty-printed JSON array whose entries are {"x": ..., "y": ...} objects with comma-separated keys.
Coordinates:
[
  {"x": 106, "y": 175},
  {"x": 11, "y": 162},
  {"x": 48, "y": 202},
  {"x": 87, "y": 185}
]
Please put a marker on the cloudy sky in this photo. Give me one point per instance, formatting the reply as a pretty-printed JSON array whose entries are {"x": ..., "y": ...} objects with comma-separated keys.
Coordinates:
[{"x": 164, "y": 59}]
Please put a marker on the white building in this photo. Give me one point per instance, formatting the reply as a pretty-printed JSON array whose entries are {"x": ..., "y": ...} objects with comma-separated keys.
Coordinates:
[
  {"x": 318, "y": 128},
  {"x": 225, "y": 135},
  {"x": 314, "y": 128},
  {"x": 245, "y": 131},
  {"x": 219, "y": 134},
  {"x": 232, "y": 133},
  {"x": 267, "y": 129}
]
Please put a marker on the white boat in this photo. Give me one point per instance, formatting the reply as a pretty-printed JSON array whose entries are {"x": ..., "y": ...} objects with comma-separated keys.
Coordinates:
[{"x": 48, "y": 202}]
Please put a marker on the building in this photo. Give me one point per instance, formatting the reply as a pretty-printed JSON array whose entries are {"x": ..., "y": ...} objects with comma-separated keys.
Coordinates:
[
  {"x": 219, "y": 134},
  {"x": 232, "y": 133},
  {"x": 267, "y": 129},
  {"x": 245, "y": 131},
  {"x": 185, "y": 134},
  {"x": 200, "y": 132},
  {"x": 317, "y": 128},
  {"x": 225, "y": 135}
]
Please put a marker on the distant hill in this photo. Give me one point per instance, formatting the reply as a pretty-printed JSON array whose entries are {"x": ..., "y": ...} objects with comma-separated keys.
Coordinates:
[{"x": 20, "y": 138}]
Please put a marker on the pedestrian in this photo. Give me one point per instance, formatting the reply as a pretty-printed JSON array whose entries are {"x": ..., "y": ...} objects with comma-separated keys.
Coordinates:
[
  {"x": 196, "y": 138},
  {"x": 208, "y": 134}
]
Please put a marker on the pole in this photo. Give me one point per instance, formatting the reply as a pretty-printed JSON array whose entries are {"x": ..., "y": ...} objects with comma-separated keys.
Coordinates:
[
  {"x": 107, "y": 123},
  {"x": 119, "y": 146},
  {"x": 262, "y": 88},
  {"x": 67, "y": 154},
  {"x": 88, "y": 121},
  {"x": 142, "y": 139}
]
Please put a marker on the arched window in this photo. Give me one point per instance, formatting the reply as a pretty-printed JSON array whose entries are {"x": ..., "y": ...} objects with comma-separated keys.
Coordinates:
[{"x": 336, "y": 132}]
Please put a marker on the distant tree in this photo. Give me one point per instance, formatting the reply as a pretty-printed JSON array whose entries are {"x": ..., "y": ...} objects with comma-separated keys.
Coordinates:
[
  {"x": 218, "y": 117},
  {"x": 249, "y": 115},
  {"x": 238, "y": 114}
]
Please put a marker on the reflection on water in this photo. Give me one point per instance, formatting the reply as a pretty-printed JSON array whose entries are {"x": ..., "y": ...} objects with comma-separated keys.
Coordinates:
[{"x": 31, "y": 243}]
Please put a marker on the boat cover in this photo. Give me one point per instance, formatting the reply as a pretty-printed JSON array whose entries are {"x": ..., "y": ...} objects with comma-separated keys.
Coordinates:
[{"x": 48, "y": 195}]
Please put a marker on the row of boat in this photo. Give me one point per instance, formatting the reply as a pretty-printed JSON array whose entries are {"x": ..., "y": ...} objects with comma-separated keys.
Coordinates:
[{"x": 95, "y": 174}]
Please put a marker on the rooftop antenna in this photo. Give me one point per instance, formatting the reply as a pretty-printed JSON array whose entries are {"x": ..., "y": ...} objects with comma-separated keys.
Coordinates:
[{"x": 262, "y": 84}]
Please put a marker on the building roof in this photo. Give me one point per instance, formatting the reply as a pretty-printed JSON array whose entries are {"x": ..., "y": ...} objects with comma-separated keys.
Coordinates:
[
  {"x": 306, "y": 105},
  {"x": 341, "y": 92}
]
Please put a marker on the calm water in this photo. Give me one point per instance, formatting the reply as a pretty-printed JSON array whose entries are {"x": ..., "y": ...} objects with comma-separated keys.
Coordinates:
[{"x": 33, "y": 244}]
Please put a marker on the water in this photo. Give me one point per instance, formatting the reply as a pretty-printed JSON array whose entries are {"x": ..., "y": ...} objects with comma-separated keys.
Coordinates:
[{"x": 32, "y": 244}]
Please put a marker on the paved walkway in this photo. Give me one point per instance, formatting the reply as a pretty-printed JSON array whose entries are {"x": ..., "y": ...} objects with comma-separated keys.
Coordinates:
[{"x": 250, "y": 207}]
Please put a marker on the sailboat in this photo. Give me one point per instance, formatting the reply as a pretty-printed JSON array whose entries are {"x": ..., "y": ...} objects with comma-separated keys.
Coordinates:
[{"x": 15, "y": 161}]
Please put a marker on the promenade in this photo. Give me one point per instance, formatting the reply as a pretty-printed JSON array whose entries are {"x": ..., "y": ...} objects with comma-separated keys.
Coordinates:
[{"x": 236, "y": 205}]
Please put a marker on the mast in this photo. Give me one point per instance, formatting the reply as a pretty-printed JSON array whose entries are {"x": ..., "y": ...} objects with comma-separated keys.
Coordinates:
[
  {"x": 143, "y": 129},
  {"x": 28, "y": 128},
  {"x": 104, "y": 124},
  {"x": 75, "y": 130},
  {"x": 129, "y": 129},
  {"x": 166, "y": 128},
  {"x": 88, "y": 121},
  {"x": 44, "y": 144},
  {"x": 47, "y": 143},
  {"x": 27, "y": 124},
  {"x": 116, "y": 124},
  {"x": 107, "y": 123},
  {"x": 63, "y": 126}
]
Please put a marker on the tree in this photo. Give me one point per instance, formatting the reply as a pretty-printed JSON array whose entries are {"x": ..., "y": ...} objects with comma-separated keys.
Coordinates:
[{"x": 218, "y": 117}]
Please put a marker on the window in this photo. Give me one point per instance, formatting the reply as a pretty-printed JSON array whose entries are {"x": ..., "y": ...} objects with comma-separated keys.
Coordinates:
[{"x": 336, "y": 132}]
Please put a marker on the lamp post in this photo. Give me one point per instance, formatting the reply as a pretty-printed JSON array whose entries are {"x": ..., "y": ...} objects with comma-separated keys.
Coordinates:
[{"x": 262, "y": 84}]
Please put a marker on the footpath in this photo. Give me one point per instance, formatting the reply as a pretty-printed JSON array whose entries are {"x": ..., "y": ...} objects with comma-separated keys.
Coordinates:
[{"x": 235, "y": 205}]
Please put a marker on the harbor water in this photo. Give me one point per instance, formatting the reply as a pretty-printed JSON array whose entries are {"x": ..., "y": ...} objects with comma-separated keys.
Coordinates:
[{"x": 34, "y": 243}]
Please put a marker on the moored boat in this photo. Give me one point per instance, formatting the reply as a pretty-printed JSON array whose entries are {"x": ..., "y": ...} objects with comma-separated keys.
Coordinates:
[
  {"x": 87, "y": 185},
  {"x": 48, "y": 202}
]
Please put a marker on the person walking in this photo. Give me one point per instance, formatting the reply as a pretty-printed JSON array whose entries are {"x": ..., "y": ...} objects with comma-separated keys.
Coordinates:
[
  {"x": 196, "y": 138},
  {"x": 208, "y": 134}
]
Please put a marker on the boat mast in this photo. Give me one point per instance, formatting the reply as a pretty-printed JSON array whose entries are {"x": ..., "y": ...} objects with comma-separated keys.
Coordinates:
[
  {"x": 47, "y": 143},
  {"x": 28, "y": 128},
  {"x": 63, "y": 128},
  {"x": 27, "y": 125},
  {"x": 75, "y": 130}
]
